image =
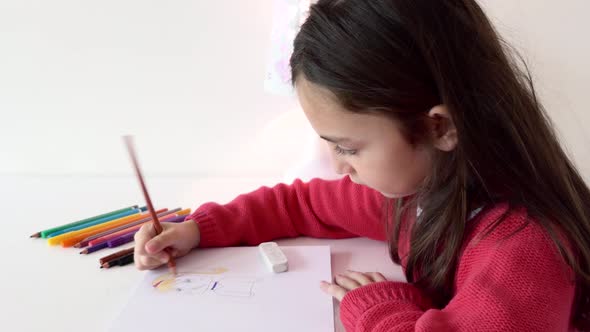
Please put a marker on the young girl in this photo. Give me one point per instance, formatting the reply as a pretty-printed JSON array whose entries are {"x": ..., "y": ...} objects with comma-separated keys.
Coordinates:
[{"x": 447, "y": 155}]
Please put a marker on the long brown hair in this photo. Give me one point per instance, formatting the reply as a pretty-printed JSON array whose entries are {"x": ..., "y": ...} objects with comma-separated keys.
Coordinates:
[{"x": 403, "y": 57}]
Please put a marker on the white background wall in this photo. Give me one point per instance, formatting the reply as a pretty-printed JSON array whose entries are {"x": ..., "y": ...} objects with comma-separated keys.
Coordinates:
[
  {"x": 186, "y": 77},
  {"x": 554, "y": 36}
]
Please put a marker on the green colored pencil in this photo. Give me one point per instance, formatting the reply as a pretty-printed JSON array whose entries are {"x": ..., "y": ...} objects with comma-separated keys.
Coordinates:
[{"x": 43, "y": 234}]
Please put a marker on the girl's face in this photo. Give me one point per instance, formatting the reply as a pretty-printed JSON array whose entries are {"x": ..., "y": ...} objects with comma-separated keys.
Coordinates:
[{"x": 369, "y": 148}]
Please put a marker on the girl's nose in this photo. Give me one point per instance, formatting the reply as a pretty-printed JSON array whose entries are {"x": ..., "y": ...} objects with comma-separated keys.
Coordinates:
[{"x": 342, "y": 167}]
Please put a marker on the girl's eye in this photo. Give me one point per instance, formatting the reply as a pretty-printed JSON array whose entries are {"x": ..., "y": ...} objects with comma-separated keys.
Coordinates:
[{"x": 342, "y": 151}]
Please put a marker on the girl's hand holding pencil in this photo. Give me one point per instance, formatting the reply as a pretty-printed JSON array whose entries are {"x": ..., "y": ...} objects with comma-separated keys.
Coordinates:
[{"x": 150, "y": 247}]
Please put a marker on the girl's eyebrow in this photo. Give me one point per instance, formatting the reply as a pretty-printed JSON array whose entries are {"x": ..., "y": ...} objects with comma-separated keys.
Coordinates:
[{"x": 336, "y": 139}]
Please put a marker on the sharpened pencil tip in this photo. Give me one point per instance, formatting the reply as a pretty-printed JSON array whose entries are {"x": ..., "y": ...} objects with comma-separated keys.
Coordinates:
[
  {"x": 172, "y": 266},
  {"x": 36, "y": 235}
]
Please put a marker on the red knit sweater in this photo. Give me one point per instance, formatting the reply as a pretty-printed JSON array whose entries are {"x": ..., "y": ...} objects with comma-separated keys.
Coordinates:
[{"x": 514, "y": 284}]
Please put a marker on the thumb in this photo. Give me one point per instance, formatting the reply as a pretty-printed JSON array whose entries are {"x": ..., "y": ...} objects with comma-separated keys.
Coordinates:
[{"x": 159, "y": 243}]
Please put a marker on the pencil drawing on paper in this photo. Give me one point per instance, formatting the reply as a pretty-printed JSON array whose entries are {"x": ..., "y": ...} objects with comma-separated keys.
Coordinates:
[{"x": 206, "y": 282}]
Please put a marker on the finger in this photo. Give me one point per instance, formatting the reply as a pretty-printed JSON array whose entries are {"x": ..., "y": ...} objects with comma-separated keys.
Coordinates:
[
  {"x": 376, "y": 276},
  {"x": 144, "y": 234},
  {"x": 361, "y": 278},
  {"x": 138, "y": 265},
  {"x": 346, "y": 282},
  {"x": 333, "y": 290},
  {"x": 160, "y": 242},
  {"x": 174, "y": 252},
  {"x": 148, "y": 263}
]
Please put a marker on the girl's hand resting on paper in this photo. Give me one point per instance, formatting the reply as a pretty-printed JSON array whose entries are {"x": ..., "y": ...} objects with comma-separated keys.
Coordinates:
[
  {"x": 345, "y": 282},
  {"x": 149, "y": 248}
]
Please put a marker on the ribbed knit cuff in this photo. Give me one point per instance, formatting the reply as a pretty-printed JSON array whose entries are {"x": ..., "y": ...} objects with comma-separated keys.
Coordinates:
[
  {"x": 359, "y": 300},
  {"x": 210, "y": 233}
]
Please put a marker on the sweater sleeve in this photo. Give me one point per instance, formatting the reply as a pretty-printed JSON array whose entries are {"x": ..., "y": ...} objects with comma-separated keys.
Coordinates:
[
  {"x": 516, "y": 284},
  {"x": 319, "y": 208}
]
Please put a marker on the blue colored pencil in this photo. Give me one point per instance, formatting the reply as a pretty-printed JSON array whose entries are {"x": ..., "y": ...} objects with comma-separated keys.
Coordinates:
[
  {"x": 43, "y": 234},
  {"x": 97, "y": 221}
]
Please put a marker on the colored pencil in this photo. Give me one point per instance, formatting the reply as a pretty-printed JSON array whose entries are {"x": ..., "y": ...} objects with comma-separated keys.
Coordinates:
[
  {"x": 124, "y": 237},
  {"x": 94, "y": 222},
  {"x": 116, "y": 255},
  {"x": 155, "y": 221},
  {"x": 128, "y": 259},
  {"x": 71, "y": 241},
  {"x": 71, "y": 238},
  {"x": 120, "y": 240},
  {"x": 95, "y": 248},
  {"x": 59, "y": 238},
  {"x": 184, "y": 212},
  {"x": 44, "y": 233},
  {"x": 176, "y": 219},
  {"x": 87, "y": 240},
  {"x": 125, "y": 231}
]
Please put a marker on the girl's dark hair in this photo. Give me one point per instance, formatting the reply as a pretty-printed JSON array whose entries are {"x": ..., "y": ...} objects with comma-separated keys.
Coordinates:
[{"x": 403, "y": 57}]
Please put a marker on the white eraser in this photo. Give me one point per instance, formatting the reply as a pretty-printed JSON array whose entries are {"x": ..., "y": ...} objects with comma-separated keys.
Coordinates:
[{"x": 273, "y": 257}]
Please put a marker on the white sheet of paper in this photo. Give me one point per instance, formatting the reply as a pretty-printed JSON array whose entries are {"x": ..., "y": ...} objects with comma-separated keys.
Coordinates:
[{"x": 230, "y": 289}]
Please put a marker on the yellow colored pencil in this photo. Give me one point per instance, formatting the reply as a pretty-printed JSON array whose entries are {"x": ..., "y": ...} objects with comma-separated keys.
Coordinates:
[{"x": 183, "y": 212}]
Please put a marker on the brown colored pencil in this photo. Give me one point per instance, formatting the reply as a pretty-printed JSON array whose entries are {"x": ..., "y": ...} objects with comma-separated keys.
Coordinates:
[
  {"x": 121, "y": 261},
  {"x": 157, "y": 226},
  {"x": 116, "y": 255}
]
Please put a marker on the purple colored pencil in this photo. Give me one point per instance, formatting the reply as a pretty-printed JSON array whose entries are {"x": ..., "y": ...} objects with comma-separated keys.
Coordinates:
[
  {"x": 94, "y": 248},
  {"x": 119, "y": 240},
  {"x": 176, "y": 219}
]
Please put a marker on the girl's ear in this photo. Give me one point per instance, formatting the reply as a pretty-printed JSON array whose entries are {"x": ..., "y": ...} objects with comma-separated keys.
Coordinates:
[{"x": 444, "y": 133}]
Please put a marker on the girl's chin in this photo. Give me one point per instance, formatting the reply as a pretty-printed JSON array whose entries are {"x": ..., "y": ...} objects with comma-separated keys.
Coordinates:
[{"x": 388, "y": 195}]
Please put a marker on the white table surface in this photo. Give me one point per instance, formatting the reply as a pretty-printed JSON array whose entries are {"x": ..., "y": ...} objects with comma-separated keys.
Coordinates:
[{"x": 47, "y": 288}]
